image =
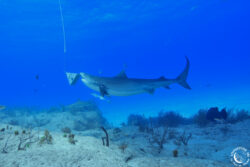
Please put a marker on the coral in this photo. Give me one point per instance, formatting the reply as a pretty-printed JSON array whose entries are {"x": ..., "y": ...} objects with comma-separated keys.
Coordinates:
[
  {"x": 9, "y": 140},
  {"x": 71, "y": 139},
  {"x": 159, "y": 136},
  {"x": 107, "y": 137},
  {"x": 175, "y": 153},
  {"x": 138, "y": 120},
  {"x": 16, "y": 133},
  {"x": 223, "y": 114},
  {"x": 172, "y": 134},
  {"x": 164, "y": 119},
  {"x": 6, "y": 140},
  {"x": 237, "y": 116},
  {"x": 242, "y": 115},
  {"x": 170, "y": 119},
  {"x": 214, "y": 113},
  {"x": 184, "y": 138},
  {"x": 201, "y": 118},
  {"x": 46, "y": 139},
  {"x": 26, "y": 139},
  {"x": 6, "y": 145},
  {"x": 123, "y": 147}
]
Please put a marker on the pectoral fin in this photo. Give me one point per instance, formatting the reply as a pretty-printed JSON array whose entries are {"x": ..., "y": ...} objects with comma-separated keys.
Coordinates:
[
  {"x": 100, "y": 97},
  {"x": 103, "y": 90}
]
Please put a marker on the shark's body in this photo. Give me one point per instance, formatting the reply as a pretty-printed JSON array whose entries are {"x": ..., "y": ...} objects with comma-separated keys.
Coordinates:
[{"x": 121, "y": 85}]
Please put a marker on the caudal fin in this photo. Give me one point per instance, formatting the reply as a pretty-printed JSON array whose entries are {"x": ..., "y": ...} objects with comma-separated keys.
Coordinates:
[
  {"x": 72, "y": 77},
  {"x": 181, "y": 79}
]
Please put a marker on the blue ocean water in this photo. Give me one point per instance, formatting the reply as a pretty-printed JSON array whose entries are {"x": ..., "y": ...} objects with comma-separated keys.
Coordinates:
[{"x": 148, "y": 38}]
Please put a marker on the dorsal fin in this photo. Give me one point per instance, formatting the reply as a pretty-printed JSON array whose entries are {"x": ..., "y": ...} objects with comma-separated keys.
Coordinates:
[{"x": 122, "y": 74}]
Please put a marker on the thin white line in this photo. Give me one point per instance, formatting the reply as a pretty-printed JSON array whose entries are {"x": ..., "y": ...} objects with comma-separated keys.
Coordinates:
[{"x": 63, "y": 29}]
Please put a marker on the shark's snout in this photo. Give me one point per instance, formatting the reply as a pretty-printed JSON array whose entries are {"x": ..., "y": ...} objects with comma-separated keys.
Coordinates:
[{"x": 84, "y": 77}]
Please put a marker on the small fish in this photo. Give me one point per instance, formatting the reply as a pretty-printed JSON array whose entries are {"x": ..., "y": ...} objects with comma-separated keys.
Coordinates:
[
  {"x": 37, "y": 77},
  {"x": 2, "y": 107}
]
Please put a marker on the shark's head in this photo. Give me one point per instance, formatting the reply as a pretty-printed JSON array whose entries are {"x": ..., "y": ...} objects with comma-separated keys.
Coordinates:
[
  {"x": 86, "y": 78},
  {"x": 89, "y": 81}
]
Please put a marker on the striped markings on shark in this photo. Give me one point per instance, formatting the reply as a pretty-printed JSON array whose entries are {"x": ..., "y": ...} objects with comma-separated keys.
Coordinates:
[{"x": 122, "y": 85}]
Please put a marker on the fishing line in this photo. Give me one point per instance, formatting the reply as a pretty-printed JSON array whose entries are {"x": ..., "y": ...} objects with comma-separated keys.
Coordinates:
[
  {"x": 63, "y": 27},
  {"x": 64, "y": 36}
]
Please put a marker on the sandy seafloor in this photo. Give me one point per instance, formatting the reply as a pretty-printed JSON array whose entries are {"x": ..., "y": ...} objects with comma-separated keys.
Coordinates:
[
  {"x": 210, "y": 146},
  {"x": 207, "y": 148}
]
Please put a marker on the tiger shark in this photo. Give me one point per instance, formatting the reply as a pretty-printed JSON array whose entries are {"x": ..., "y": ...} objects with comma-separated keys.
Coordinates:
[{"x": 122, "y": 85}]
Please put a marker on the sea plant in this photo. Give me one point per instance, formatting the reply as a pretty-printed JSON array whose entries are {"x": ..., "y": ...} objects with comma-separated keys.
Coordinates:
[
  {"x": 159, "y": 136},
  {"x": 26, "y": 139},
  {"x": 201, "y": 118},
  {"x": 16, "y": 133},
  {"x": 213, "y": 113},
  {"x": 46, "y": 139},
  {"x": 175, "y": 153},
  {"x": 238, "y": 116},
  {"x": 184, "y": 138},
  {"x": 6, "y": 146},
  {"x": 138, "y": 120},
  {"x": 123, "y": 147},
  {"x": 105, "y": 138},
  {"x": 71, "y": 139},
  {"x": 169, "y": 119}
]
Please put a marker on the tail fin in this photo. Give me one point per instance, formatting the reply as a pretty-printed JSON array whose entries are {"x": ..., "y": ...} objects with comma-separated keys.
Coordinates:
[
  {"x": 181, "y": 79},
  {"x": 72, "y": 77}
]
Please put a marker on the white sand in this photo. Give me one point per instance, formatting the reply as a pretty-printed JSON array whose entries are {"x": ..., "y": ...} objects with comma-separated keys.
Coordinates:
[{"x": 207, "y": 148}]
